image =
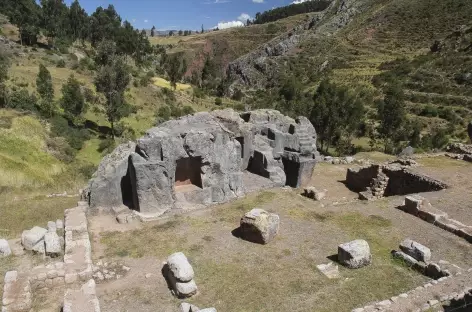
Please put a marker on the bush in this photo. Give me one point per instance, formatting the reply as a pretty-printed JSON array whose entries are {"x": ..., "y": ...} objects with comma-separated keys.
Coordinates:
[
  {"x": 187, "y": 110},
  {"x": 75, "y": 137},
  {"x": 238, "y": 95},
  {"x": 199, "y": 93},
  {"x": 218, "y": 101},
  {"x": 22, "y": 100},
  {"x": 164, "y": 113},
  {"x": 106, "y": 146},
  {"x": 61, "y": 63}
]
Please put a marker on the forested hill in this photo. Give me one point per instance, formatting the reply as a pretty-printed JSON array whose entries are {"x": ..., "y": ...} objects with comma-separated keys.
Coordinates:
[{"x": 290, "y": 10}]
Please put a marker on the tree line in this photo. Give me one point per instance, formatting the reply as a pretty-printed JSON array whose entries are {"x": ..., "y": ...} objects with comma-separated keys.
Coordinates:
[
  {"x": 62, "y": 25},
  {"x": 290, "y": 10}
]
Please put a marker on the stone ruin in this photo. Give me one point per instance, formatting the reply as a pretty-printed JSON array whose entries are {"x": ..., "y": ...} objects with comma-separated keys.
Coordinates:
[
  {"x": 203, "y": 159},
  {"x": 376, "y": 181}
]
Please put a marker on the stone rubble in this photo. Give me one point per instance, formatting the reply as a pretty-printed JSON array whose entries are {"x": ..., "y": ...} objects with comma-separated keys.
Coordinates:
[
  {"x": 17, "y": 296},
  {"x": 259, "y": 226}
]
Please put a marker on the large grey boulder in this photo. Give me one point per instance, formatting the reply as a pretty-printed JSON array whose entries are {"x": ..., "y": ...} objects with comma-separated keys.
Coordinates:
[
  {"x": 416, "y": 250},
  {"x": 182, "y": 290},
  {"x": 29, "y": 238},
  {"x": 180, "y": 267},
  {"x": 53, "y": 246},
  {"x": 355, "y": 254},
  {"x": 259, "y": 226},
  {"x": 4, "y": 248}
]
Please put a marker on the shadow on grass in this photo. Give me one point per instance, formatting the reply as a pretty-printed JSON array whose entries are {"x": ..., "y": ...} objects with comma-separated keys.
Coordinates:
[
  {"x": 334, "y": 258},
  {"x": 237, "y": 232}
]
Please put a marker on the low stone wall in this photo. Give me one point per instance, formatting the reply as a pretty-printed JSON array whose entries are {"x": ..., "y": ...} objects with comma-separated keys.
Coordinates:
[
  {"x": 403, "y": 181},
  {"x": 48, "y": 276},
  {"x": 358, "y": 180},
  {"x": 426, "y": 212}
]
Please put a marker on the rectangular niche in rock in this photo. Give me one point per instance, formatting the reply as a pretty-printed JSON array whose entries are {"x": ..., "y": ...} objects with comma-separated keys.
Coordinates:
[{"x": 188, "y": 174}]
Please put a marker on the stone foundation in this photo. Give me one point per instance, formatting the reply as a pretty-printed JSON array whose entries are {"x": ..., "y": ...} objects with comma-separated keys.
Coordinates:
[{"x": 377, "y": 181}]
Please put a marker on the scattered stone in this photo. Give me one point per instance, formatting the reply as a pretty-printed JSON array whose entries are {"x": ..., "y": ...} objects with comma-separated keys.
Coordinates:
[
  {"x": 355, "y": 254},
  {"x": 52, "y": 244},
  {"x": 148, "y": 275},
  {"x": 330, "y": 270},
  {"x": 314, "y": 193},
  {"x": 416, "y": 250},
  {"x": 4, "y": 248},
  {"x": 180, "y": 267},
  {"x": 187, "y": 307},
  {"x": 52, "y": 226},
  {"x": 59, "y": 224},
  {"x": 259, "y": 226},
  {"x": 29, "y": 238},
  {"x": 179, "y": 274}
]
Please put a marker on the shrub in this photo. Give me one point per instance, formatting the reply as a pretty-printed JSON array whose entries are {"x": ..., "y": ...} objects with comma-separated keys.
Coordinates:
[
  {"x": 74, "y": 136},
  {"x": 187, "y": 110},
  {"x": 218, "y": 101},
  {"x": 238, "y": 95},
  {"x": 61, "y": 63},
  {"x": 22, "y": 100},
  {"x": 106, "y": 146}
]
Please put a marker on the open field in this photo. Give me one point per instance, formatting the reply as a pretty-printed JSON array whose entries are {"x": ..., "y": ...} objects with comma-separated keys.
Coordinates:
[
  {"x": 235, "y": 275},
  {"x": 161, "y": 82}
]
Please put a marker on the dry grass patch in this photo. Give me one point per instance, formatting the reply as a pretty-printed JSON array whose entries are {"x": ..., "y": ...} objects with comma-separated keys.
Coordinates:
[{"x": 235, "y": 275}]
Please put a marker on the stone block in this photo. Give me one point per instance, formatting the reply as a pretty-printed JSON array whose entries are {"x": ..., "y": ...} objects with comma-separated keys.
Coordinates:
[
  {"x": 413, "y": 204},
  {"x": 29, "y": 238},
  {"x": 355, "y": 254},
  {"x": 52, "y": 244},
  {"x": 410, "y": 261},
  {"x": 259, "y": 226},
  {"x": 52, "y": 226},
  {"x": 416, "y": 250},
  {"x": 4, "y": 248},
  {"x": 180, "y": 267}
]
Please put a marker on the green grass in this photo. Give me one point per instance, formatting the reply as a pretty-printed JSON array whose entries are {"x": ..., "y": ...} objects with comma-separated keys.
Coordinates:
[{"x": 19, "y": 214}]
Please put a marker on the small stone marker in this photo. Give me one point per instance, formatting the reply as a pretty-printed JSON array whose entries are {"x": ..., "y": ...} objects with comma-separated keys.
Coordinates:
[
  {"x": 259, "y": 226},
  {"x": 4, "y": 248},
  {"x": 355, "y": 254},
  {"x": 314, "y": 193}
]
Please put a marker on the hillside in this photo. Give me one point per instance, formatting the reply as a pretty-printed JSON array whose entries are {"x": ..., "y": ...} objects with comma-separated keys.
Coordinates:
[{"x": 359, "y": 43}]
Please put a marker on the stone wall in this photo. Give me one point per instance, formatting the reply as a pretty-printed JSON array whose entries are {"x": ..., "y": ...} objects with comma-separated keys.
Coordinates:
[{"x": 376, "y": 181}]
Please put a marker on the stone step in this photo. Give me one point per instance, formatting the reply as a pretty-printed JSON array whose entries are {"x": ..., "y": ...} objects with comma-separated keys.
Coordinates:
[
  {"x": 17, "y": 296},
  {"x": 82, "y": 300}
]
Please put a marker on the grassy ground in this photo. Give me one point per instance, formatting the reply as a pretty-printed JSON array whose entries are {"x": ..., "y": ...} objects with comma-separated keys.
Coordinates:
[
  {"x": 277, "y": 276},
  {"x": 161, "y": 82}
]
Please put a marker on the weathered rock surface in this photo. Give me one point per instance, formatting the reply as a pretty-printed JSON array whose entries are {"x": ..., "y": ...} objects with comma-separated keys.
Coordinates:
[
  {"x": 187, "y": 307},
  {"x": 355, "y": 254},
  {"x": 4, "y": 248},
  {"x": 52, "y": 244},
  {"x": 181, "y": 289},
  {"x": 202, "y": 159},
  {"x": 52, "y": 227},
  {"x": 29, "y": 238},
  {"x": 180, "y": 267},
  {"x": 259, "y": 226},
  {"x": 416, "y": 250}
]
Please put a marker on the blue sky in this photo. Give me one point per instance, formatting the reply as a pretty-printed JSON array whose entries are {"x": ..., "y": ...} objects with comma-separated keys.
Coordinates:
[{"x": 182, "y": 14}]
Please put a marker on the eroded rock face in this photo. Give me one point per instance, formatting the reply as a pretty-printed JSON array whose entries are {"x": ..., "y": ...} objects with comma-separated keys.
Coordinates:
[
  {"x": 259, "y": 226},
  {"x": 355, "y": 254},
  {"x": 203, "y": 159}
]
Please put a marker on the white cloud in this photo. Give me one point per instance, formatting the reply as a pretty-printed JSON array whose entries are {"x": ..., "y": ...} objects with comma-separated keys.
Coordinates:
[
  {"x": 244, "y": 17},
  {"x": 299, "y": 1},
  {"x": 258, "y": 1},
  {"x": 146, "y": 21},
  {"x": 216, "y": 1},
  {"x": 224, "y": 25}
]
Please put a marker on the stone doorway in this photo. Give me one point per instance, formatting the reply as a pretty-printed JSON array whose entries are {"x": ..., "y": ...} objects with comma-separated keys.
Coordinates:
[{"x": 188, "y": 174}]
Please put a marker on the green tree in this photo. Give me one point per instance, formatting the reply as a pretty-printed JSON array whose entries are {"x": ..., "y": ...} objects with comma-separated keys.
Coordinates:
[
  {"x": 106, "y": 52},
  {"x": 180, "y": 32},
  {"x": 46, "y": 91},
  {"x": 153, "y": 31},
  {"x": 72, "y": 101},
  {"x": 4, "y": 67},
  {"x": 26, "y": 15},
  {"x": 392, "y": 116},
  {"x": 175, "y": 68},
  {"x": 203, "y": 29},
  {"x": 78, "y": 22},
  {"x": 112, "y": 80},
  {"x": 54, "y": 18}
]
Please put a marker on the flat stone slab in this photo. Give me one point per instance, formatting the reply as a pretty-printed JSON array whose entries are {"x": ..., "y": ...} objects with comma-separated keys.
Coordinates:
[
  {"x": 416, "y": 250},
  {"x": 330, "y": 270}
]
